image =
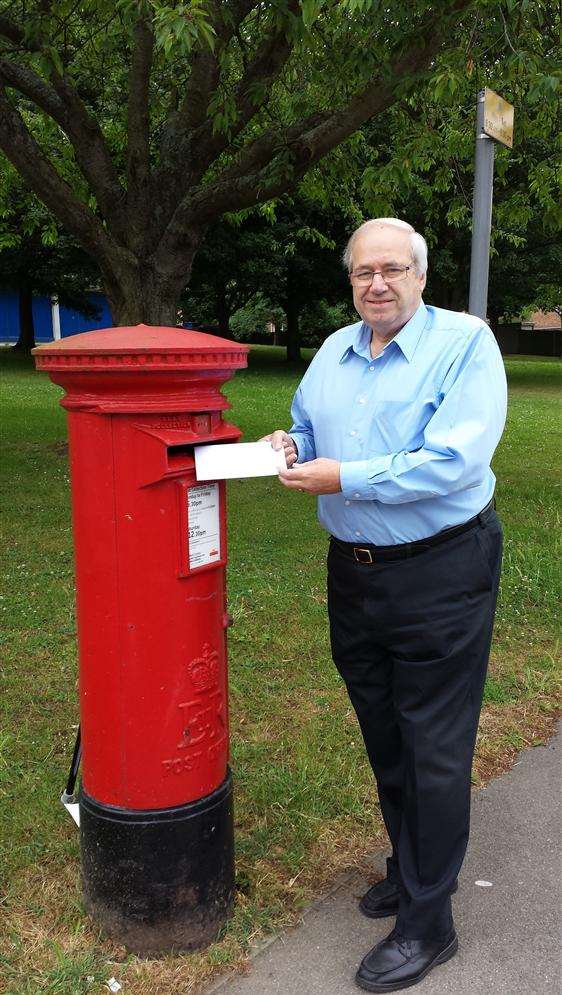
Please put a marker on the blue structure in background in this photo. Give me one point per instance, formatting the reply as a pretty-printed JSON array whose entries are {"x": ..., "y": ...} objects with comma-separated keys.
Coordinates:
[
  {"x": 71, "y": 322},
  {"x": 10, "y": 322}
]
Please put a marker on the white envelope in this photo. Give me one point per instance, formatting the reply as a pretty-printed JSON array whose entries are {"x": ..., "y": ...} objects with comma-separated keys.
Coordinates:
[{"x": 225, "y": 461}]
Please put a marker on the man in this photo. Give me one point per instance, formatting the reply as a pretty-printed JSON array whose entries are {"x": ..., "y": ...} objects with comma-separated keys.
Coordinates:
[{"x": 394, "y": 426}]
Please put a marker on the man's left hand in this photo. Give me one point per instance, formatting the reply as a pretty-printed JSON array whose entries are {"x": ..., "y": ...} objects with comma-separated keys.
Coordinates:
[{"x": 317, "y": 476}]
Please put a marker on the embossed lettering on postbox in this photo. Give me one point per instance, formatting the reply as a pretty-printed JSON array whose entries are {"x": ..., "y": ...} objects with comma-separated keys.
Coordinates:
[
  {"x": 179, "y": 765},
  {"x": 202, "y": 424},
  {"x": 202, "y": 719},
  {"x": 203, "y": 722},
  {"x": 176, "y": 423}
]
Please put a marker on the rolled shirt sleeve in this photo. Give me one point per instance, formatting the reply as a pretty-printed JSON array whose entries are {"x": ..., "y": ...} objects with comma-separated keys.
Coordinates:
[{"x": 459, "y": 439}]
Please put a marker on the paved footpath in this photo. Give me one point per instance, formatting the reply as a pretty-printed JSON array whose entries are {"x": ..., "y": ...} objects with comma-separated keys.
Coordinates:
[{"x": 509, "y": 933}]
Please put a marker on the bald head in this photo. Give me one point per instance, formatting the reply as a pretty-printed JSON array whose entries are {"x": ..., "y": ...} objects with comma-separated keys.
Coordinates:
[{"x": 416, "y": 242}]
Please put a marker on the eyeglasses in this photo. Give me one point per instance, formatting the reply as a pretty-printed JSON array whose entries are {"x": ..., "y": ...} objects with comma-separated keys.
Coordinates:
[{"x": 390, "y": 274}]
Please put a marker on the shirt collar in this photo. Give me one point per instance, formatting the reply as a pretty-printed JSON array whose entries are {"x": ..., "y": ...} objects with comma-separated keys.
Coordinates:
[{"x": 407, "y": 338}]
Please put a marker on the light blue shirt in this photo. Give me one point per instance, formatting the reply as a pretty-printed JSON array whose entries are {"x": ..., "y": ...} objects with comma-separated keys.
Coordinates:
[{"x": 414, "y": 429}]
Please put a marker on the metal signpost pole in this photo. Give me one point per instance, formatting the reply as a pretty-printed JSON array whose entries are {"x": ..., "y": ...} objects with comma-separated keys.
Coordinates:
[
  {"x": 481, "y": 215},
  {"x": 494, "y": 123}
]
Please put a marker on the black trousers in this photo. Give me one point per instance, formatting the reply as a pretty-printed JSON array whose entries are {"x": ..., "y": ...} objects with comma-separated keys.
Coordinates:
[{"x": 411, "y": 639}]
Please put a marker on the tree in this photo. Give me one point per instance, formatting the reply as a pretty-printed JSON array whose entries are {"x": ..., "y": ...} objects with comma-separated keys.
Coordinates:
[
  {"x": 527, "y": 278},
  {"x": 233, "y": 264},
  {"x": 140, "y": 123},
  {"x": 306, "y": 253},
  {"x": 286, "y": 257},
  {"x": 420, "y": 161},
  {"x": 249, "y": 323},
  {"x": 32, "y": 268},
  {"x": 37, "y": 258}
]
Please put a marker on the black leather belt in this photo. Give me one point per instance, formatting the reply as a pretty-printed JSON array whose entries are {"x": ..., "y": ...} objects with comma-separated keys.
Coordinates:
[{"x": 368, "y": 553}]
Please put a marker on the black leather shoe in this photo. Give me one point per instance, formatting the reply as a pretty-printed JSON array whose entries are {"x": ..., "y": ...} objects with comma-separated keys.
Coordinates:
[
  {"x": 383, "y": 899},
  {"x": 398, "y": 962}
]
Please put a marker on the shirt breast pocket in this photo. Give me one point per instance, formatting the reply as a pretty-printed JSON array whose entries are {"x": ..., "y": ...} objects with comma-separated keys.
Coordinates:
[{"x": 400, "y": 424}]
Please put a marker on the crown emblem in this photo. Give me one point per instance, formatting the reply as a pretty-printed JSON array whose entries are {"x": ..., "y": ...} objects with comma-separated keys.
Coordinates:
[{"x": 204, "y": 669}]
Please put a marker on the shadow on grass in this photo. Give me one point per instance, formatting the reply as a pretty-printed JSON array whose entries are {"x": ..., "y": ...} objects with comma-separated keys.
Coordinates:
[
  {"x": 12, "y": 360},
  {"x": 264, "y": 359}
]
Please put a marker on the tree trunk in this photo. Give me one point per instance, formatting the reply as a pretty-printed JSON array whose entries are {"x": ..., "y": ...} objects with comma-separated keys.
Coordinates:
[
  {"x": 26, "y": 339},
  {"x": 447, "y": 295},
  {"x": 223, "y": 314},
  {"x": 292, "y": 311},
  {"x": 459, "y": 296},
  {"x": 293, "y": 335},
  {"x": 149, "y": 302},
  {"x": 493, "y": 315},
  {"x": 139, "y": 293}
]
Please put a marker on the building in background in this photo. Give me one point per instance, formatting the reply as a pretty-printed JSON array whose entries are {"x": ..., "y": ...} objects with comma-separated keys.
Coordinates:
[
  {"x": 538, "y": 335},
  {"x": 549, "y": 321},
  {"x": 51, "y": 320}
]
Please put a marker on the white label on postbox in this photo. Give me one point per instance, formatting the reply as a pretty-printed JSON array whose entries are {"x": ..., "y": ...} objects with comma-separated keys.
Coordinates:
[{"x": 203, "y": 524}]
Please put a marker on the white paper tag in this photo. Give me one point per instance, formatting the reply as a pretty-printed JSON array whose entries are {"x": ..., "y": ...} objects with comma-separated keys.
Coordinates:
[
  {"x": 203, "y": 524},
  {"x": 74, "y": 809},
  {"x": 113, "y": 985},
  {"x": 484, "y": 884}
]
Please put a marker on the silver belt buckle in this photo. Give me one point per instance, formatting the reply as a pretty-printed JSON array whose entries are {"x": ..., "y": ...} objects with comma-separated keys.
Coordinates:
[{"x": 368, "y": 556}]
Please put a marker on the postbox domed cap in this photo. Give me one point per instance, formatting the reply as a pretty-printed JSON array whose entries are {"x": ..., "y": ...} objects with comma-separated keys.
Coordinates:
[{"x": 150, "y": 346}]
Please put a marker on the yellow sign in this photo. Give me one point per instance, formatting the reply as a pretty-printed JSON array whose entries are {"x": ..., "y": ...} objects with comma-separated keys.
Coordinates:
[{"x": 498, "y": 118}]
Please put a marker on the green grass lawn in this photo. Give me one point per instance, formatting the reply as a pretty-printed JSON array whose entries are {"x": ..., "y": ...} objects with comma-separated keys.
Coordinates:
[{"x": 305, "y": 803}]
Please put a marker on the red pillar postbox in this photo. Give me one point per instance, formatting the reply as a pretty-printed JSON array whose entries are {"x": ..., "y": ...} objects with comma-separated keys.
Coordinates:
[{"x": 150, "y": 551}]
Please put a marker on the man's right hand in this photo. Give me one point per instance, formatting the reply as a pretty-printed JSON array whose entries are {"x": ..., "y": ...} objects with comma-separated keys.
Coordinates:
[{"x": 280, "y": 440}]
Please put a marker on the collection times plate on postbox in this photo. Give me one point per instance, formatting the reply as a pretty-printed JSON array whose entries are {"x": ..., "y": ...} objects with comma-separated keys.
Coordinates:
[{"x": 203, "y": 525}]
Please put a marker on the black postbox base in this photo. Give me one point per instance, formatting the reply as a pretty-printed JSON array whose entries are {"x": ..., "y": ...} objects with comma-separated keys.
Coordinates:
[{"x": 162, "y": 880}]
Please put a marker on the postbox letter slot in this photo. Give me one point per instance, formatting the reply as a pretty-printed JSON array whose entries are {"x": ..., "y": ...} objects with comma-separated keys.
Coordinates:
[{"x": 181, "y": 456}]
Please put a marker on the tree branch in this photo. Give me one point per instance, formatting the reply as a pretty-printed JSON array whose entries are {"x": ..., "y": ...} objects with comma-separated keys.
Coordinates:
[
  {"x": 36, "y": 89},
  {"x": 196, "y": 146},
  {"x": 264, "y": 149},
  {"x": 255, "y": 179},
  {"x": 61, "y": 101},
  {"x": 178, "y": 129},
  {"x": 265, "y": 66},
  {"x": 138, "y": 135},
  {"x": 188, "y": 126},
  {"x": 14, "y": 33},
  {"x": 93, "y": 156},
  {"x": 205, "y": 72},
  {"x": 28, "y": 158}
]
